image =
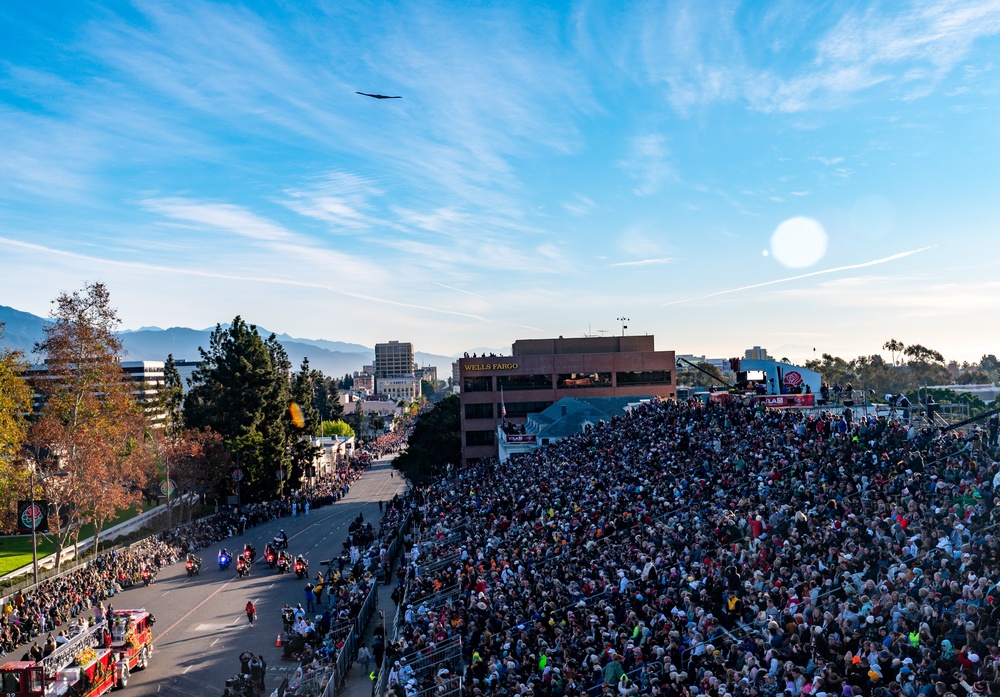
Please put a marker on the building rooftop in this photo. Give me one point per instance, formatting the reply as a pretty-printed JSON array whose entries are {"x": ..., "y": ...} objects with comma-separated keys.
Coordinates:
[
  {"x": 569, "y": 415},
  {"x": 583, "y": 344}
]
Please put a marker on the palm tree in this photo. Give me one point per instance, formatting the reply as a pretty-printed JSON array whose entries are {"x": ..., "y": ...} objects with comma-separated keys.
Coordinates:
[{"x": 894, "y": 347}]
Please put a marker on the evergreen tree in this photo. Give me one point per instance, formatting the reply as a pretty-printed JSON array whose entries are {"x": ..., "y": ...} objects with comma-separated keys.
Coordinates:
[
  {"x": 170, "y": 400},
  {"x": 436, "y": 442},
  {"x": 303, "y": 453},
  {"x": 241, "y": 391},
  {"x": 326, "y": 397}
]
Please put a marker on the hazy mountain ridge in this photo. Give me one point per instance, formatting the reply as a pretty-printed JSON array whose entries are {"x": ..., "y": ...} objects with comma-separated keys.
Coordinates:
[{"x": 336, "y": 358}]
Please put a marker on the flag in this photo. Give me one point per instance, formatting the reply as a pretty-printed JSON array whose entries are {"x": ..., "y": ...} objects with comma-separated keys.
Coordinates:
[{"x": 503, "y": 409}]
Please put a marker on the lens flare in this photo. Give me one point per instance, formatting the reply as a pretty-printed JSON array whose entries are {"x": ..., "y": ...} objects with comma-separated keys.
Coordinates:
[
  {"x": 298, "y": 418},
  {"x": 798, "y": 242}
]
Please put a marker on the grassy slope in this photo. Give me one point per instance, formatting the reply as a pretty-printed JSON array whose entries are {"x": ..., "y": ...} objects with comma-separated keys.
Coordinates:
[{"x": 15, "y": 552}]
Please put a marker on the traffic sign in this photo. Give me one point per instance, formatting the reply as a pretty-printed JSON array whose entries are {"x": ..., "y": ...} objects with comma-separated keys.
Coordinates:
[
  {"x": 238, "y": 474},
  {"x": 167, "y": 487}
]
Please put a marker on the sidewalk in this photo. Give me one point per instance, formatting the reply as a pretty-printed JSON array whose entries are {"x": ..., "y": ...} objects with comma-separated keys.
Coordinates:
[{"x": 358, "y": 684}]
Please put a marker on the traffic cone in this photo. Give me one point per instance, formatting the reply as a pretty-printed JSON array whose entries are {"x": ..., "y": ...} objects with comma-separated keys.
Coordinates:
[{"x": 277, "y": 642}]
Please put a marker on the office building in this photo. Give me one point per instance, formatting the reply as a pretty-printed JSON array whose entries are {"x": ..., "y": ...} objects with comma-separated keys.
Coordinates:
[
  {"x": 394, "y": 359},
  {"x": 539, "y": 372}
]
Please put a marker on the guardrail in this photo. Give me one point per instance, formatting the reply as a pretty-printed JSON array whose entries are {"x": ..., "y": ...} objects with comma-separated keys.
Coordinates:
[{"x": 353, "y": 642}]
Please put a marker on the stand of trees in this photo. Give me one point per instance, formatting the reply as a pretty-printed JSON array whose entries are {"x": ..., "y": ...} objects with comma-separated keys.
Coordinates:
[{"x": 435, "y": 443}]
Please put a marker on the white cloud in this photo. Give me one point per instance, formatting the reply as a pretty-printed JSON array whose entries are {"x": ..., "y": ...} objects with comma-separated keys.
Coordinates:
[
  {"x": 647, "y": 163},
  {"x": 341, "y": 199}
]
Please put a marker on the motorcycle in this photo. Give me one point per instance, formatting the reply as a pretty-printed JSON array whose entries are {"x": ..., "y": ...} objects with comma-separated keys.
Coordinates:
[
  {"x": 242, "y": 567},
  {"x": 224, "y": 561},
  {"x": 249, "y": 553},
  {"x": 271, "y": 557},
  {"x": 193, "y": 567},
  {"x": 301, "y": 568},
  {"x": 280, "y": 542},
  {"x": 282, "y": 564},
  {"x": 147, "y": 576}
]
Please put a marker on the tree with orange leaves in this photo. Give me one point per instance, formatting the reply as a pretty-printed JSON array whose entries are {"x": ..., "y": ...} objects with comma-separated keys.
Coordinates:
[{"x": 88, "y": 442}]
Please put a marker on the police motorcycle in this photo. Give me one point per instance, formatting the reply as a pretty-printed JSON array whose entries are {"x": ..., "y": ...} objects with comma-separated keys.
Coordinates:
[
  {"x": 301, "y": 566},
  {"x": 281, "y": 540},
  {"x": 193, "y": 565},
  {"x": 225, "y": 559}
]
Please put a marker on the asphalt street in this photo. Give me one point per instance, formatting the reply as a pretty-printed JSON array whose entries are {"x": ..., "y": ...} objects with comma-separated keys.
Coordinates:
[{"x": 201, "y": 625}]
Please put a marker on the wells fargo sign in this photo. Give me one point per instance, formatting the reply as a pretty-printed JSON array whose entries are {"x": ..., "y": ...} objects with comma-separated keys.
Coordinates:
[{"x": 491, "y": 366}]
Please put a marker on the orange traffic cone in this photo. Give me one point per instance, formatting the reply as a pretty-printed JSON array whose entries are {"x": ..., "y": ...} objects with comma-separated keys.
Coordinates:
[{"x": 277, "y": 642}]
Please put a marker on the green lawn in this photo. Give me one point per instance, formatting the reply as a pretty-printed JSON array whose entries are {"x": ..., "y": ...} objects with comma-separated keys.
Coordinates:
[{"x": 15, "y": 552}]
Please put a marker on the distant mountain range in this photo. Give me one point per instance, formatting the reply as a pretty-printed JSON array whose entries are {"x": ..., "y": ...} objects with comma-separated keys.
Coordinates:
[{"x": 335, "y": 358}]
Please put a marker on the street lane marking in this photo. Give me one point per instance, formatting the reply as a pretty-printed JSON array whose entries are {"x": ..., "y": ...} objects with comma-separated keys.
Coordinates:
[
  {"x": 184, "y": 672},
  {"x": 215, "y": 642}
]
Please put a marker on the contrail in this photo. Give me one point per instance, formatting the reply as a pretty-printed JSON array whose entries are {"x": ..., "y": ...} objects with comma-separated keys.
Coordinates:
[
  {"x": 245, "y": 279},
  {"x": 850, "y": 267}
]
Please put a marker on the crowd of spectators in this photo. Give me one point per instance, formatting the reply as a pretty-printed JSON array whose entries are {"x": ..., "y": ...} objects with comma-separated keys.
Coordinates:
[
  {"x": 54, "y": 605},
  {"x": 717, "y": 549},
  {"x": 57, "y": 602},
  {"x": 316, "y": 640}
]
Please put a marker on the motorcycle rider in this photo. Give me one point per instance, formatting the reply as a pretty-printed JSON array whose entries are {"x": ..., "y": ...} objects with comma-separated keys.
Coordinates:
[
  {"x": 224, "y": 558},
  {"x": 283, "y": 561},
  {"x": 281, "y": 539},
  {"x": 242, "y": 566}
]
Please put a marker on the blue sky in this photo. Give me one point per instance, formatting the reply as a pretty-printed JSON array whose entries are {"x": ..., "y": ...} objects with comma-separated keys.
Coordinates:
[{"x": 796, "y": 175}]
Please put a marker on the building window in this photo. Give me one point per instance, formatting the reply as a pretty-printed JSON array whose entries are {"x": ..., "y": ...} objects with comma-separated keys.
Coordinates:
[
  {"x": 519, "y": 409},
  {"x": 643, "y": 377},
  {"x": 479, "y": 384},
  {"x": 480, "y": 438},
  {"x": 479, "y": 411},
  {"x": 570, "y": 380},
  {"x": 512, "y": 383}
]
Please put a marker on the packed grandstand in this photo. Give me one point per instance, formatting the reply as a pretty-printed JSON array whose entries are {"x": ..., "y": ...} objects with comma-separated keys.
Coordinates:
[{"x": 720, "y": 549}]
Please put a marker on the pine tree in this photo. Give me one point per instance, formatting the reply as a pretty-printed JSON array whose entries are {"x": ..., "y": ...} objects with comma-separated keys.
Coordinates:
[
  {"x": 303, "y": 453},
  {"x": 241, "y": 391}
]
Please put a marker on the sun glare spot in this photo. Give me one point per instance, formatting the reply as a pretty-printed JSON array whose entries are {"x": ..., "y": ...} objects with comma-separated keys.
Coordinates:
[{"x": 799, "y": 242}]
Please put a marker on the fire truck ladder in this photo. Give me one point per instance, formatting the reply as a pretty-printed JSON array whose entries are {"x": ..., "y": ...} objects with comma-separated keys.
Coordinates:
[{"x": 64, "y": 655}]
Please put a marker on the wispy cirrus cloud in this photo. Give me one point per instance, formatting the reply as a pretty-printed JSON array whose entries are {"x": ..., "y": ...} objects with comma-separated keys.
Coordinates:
[
  {"x": 647, "y": 163},
  {"x": 341, "y": 199},
  {"x": 816, "y": 56},
  {"x": 221, "y": 216}
]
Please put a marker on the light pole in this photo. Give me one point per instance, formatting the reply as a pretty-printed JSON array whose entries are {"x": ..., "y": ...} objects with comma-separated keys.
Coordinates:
[{"x": 170, "y": 509}]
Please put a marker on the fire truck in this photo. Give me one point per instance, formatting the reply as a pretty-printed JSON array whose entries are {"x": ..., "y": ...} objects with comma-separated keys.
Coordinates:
[
  {"x": 85, "y": 666},
  {"x": 132, "y": 637}
]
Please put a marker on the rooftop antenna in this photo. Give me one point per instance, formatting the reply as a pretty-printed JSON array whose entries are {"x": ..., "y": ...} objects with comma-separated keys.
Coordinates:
[
  {"x": 602, "y": 332},
  {"x": 623, "y": 320}
]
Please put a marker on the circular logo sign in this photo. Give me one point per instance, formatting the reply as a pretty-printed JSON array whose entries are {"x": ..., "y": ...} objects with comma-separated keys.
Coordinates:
[
  {"x": 167, "y": 487},
  {"x": 32, "y": 516},
  {"x": 238, "y": 474},
  {"x": 279, "y": 475},
  {"x": 793, "y": 378}
]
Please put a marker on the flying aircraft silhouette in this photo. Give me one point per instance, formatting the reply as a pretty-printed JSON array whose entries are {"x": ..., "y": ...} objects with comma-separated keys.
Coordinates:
[{"x": 377, "y": 96}]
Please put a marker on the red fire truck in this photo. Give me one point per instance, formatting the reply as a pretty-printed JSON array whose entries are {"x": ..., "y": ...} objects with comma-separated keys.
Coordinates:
[
  {"x": 86, "y": 665},
  {"x": 132, "y": 637}
]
